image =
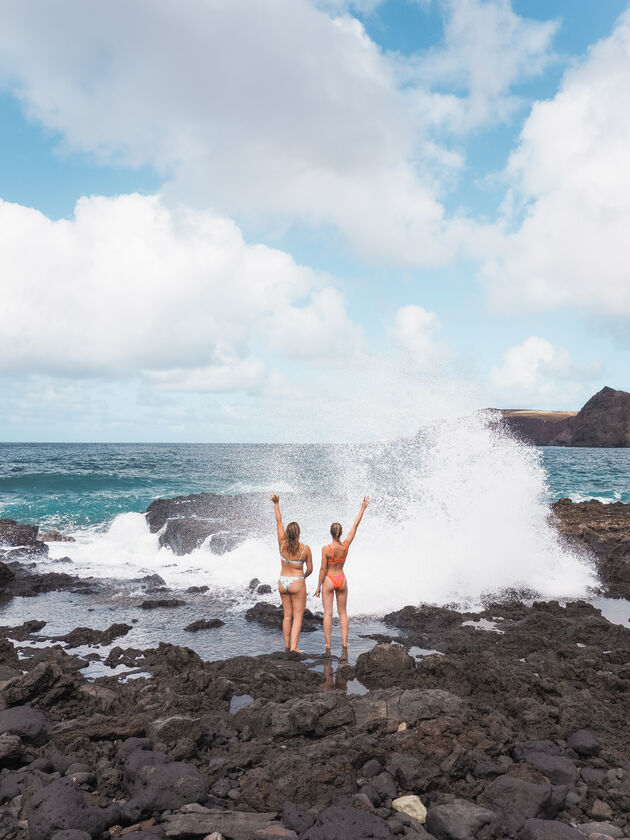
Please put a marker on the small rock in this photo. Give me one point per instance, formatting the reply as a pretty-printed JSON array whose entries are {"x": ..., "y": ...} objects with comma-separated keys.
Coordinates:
[
  {"x": 411, "y": 805},
  {"x": 163, "y": 602},
  {"x": 600, "y": 828},
  {"x": 276, "y": 832},
  {"x": 601, "y": 810},
  {"x": 263, "y": 589},
  {"x": 548, "y": 830},
  {"x": 584, "y": 743},
  {"x": 204, "y": 624},
  {"x": 458, "y": 820},
  {"x": 371, "y": 768},
  {"x": 401, "y": 727}
]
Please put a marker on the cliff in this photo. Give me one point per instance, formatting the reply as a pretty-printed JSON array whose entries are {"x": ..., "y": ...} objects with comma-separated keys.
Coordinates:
[{"x": 604, "y": 421}]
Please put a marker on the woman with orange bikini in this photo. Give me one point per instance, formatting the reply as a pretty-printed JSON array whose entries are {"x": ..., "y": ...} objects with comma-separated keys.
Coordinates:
[
  {"x": 332, "y": 580},
  {"x": 291, "y": 585}
]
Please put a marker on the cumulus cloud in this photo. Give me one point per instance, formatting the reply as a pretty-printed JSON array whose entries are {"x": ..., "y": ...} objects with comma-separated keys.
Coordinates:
[
  {"x": 416, "y": 332},
  {"x": 487, "y": 49},
  {"x": 536, "y": 373},
  {"x": 274, "y": 111},
  {"x": 569, "y": 200},
  {"x": 131, "y": 286}
]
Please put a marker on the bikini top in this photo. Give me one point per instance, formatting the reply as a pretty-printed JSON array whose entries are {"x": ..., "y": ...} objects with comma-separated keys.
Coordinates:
[
  {"x": 297, "y": 562},
  {"x": 334, "y": 559}
]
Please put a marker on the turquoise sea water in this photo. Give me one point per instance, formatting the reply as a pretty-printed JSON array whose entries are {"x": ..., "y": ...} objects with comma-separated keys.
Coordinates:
[{"x": 69, "y": 485}]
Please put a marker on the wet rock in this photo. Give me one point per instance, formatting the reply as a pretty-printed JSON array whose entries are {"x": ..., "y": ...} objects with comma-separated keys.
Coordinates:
[
  {"x": 162, "y": 602},
  {"x": 183, "y": 536},
  {"x": 28, "y": 585},
  {"x": 61, "y": 806},
  {"x": 17, "y": 535},
  {"x": 263, "y": 589},
  {"x": 23, "y": 631},
  {"x": 6, "y": 575},
  {"x": 549, "y": 830},
  {"x": 87, "y": 636},
  {"x": 197, "y": 590},
  {"x": 29, "y": 724},
  {"x": 55, "y": 536},
  {"x": 204, "y": 624},
  {"x": 383, "y": 665},
  {"x": 271, "y": 616},
  {"x": 584, "y": 743},
  {"x": 457, "y": 820}
]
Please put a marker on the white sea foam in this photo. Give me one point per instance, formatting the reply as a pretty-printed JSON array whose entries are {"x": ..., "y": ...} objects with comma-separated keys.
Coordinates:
[{"x": 456, "y": 515}]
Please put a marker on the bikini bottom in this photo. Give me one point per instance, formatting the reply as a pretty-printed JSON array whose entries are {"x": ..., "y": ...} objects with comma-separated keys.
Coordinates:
[
  {"x": 337, "y": 581},
  {"x": 286, "y": 580}
]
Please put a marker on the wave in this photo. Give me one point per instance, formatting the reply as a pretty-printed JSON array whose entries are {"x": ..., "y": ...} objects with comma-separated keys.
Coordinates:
[{"x": 458, "y": 514}]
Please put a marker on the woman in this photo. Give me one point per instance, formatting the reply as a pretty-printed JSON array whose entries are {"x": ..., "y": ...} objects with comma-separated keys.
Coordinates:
[
  {"x": 291, "y": 585},
  {"x": 332, "y": 579}
]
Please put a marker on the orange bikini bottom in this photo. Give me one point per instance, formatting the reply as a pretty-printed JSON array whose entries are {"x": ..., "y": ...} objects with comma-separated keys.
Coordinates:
[{"x": 337, "y": 580}]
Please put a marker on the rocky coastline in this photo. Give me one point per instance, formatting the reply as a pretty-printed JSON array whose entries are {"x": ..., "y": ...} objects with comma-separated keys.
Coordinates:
[{"x": 510, "y": 723}]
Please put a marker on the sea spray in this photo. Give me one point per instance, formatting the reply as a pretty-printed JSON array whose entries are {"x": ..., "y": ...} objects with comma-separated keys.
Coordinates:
[{"x": 459, "y": 513}]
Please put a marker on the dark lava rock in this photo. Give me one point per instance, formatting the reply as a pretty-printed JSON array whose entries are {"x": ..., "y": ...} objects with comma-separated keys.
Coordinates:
[
  {"x": 549, "y": 830},
  {"x": 271, "y": 616},
  {"x": 295, "y": 818},
  {"x": 516, "y": 800},
  {"x": 204, "y": 624},
  {"x": 343, "y": 821},
  {"x": 185, "y": 535},
  {"x": 457, "y": 820},
  {"x": 72, "y": 834},
  {"x": 164, "y": 787},
  {"x": 263, "y": 589},
  {"x": 584, "y": 743},
  {"x": 87, "y": 636},
  {"x": 194, "y": 590},
  {"x": 29, "y": 724},
  {"x": 10, "y": 749},
  {"x": 162, "y": 602},
  {"x": 23, "y": 631},
  {"x": 13, "y": 534},
  {"x": 382, "y": 666},
  {"x": 60, "y": 806},
  {"x": 6, "y": 575},
  {"x": 55, "y": 536},
  {"x": 28, "y": 585}
]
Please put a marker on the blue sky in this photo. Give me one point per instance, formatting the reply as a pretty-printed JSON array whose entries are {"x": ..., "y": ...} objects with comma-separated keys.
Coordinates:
[{"x": 244, "y": 222}]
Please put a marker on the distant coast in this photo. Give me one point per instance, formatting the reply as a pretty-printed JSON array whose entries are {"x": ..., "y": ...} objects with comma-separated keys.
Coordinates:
[{"x": 604, "y": 421}]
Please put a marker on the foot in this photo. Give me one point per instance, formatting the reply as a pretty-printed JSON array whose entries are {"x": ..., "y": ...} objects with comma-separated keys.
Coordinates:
[
  {"x": 328, "y": 652},
  {"x": 296, "y": 650},
  {"x": 344, "y": 653}
]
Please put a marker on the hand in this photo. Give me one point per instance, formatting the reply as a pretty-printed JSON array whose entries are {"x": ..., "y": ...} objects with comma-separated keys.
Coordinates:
[
  {"x": 274, "y": 498},
  {"x": 366, "y": 501},
  {"x": 316, "y": 593}
]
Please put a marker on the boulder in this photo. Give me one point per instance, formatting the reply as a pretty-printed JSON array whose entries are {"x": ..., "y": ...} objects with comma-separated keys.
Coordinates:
[
  {"x": 10, "y": 749},
  {"x": 164, "y": 787},
  {"x": 584, "y": 743},
  {"x": 558, "y": 769},
  {"x": 87, "y": 636},
  {"x": 204, "y": 624},
  {"x": 235, "y": 825},
  {"x": 343, "y": 821},
  {"x": 516, "y": 800},
  {"x": 17, "y": 535},
  {"x": 457, "y": 820},
  {"x": 272, "y": 616},
  {"x": 29, "y": 724},
  {"x": 549, "y": 830},
  {"x": 295, "y": 818},
  {"x": 6, "y": 575},
  {"x": 60, "y": 806},
  {"x": 383, "y": 665}
]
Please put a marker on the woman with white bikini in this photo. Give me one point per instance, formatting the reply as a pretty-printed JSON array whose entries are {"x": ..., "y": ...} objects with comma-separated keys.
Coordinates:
[{"x": 291, "y": 584}]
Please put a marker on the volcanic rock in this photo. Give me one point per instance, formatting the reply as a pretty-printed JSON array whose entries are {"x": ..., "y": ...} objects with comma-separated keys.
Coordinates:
[{"x": 204, "y": 624}]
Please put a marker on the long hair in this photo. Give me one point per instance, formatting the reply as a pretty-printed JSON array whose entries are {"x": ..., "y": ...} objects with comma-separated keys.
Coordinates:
[
  {"x": 292, "y": 534},
  {"x": 335, "y": 530}
]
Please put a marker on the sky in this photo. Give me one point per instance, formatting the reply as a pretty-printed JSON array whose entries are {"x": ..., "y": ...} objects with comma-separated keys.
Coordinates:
[{"x": 305, "y": 220}]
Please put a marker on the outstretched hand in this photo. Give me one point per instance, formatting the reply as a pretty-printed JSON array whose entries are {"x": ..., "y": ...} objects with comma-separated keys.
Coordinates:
[
  {"x": 366, "y": 501},
  {"x": 274, "y": 498}
]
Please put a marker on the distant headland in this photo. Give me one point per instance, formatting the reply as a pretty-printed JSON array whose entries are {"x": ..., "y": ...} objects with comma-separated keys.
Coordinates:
[{"x": 604, "y": 421}]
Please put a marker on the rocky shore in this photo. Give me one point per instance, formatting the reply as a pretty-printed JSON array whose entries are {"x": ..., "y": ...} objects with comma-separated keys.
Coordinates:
[{"x": 510, "y": 723}]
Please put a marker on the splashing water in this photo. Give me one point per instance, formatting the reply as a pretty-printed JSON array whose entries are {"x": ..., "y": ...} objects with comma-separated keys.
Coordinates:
[{"x": 458, "y": 513}]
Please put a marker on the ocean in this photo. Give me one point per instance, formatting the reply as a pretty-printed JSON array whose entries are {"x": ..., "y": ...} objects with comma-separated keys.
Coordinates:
[{"x": 457, "y": 514}]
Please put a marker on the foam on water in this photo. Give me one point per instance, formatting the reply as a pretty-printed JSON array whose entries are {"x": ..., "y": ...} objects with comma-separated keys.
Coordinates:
[{"x": 457, "y": 514}]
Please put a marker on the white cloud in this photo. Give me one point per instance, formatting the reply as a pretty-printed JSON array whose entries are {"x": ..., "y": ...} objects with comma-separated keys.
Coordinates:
[
  {"x": 536, "y": 373},
  {"x": 130, "y": 286},
  {"x": 487, "y": 49},
  {"x": 274, "y": 111},
  {"x": 569, "y": 178},
  {"x": 416, "y": 331}
]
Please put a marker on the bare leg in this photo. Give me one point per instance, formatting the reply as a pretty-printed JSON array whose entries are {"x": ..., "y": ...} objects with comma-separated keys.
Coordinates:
[
  {"x": 327, "y": 600},
  {"x": 287, "y": 606},
  {"x": 298, "y": 601},
  {"x": 342, "y": 600}
]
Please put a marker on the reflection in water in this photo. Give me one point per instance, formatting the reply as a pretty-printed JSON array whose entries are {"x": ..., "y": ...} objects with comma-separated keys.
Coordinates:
[{"x": 334, "y": 679}]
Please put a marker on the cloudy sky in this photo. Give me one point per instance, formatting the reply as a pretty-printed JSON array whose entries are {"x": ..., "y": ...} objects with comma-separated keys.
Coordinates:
[{"x": 276, "y": 219}]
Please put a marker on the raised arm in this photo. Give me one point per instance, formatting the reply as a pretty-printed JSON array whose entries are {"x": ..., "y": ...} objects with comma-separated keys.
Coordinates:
[
  {"x": 353, "y": 531},
  {"x": 322, "y": 572},
  {"x": 279, "y": 526}
]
